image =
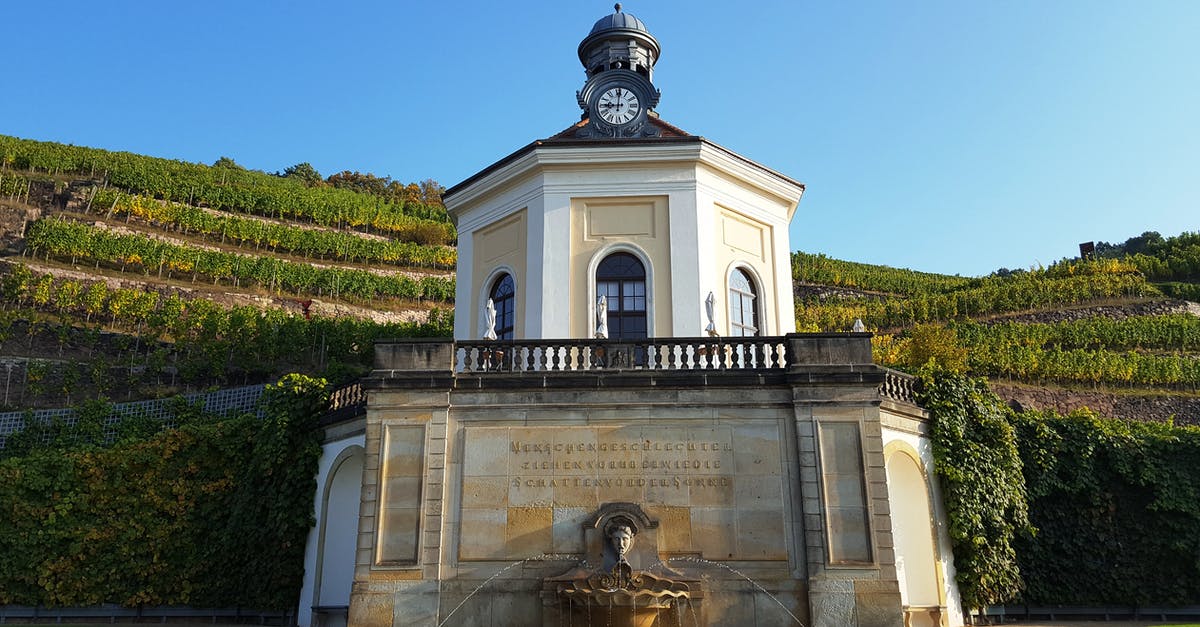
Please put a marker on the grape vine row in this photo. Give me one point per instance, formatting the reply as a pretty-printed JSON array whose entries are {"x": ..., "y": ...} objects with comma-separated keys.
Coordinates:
[
  {"x": 64, "y": 239},
  {"x": 280, "y": 237}
]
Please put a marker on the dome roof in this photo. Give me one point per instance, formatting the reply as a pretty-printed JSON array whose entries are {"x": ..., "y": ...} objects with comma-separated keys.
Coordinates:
[
  {"x": 618, "y": 21},
  {"x": 619, "y": 25}
]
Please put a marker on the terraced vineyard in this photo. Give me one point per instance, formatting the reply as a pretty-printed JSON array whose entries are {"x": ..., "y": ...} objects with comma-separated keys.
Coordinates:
[
  {"x": 140, "y": 276},
  {"x": 134, "y": 276},
  {"x": 1113, "y": 330}
]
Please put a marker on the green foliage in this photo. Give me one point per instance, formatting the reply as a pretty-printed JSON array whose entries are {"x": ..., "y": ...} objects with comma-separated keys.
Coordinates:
[
  {"x": 1183, "y": 291},
  {"x": 304, "y": 172},
  {"x": 1091, "y": 281},
  {"x": 225, "y": 185},
  {"x": 925, "y": 346},
  {"x": 1141, "y": 350},
  {"x": 819, "y": 269},
  {"x": 212, "y": 513},
  {"x": 1117, "y": 506},
  {"x": 1160, "y": 259},
  {"x": 977, "y": 462},
  {"x": 424, "y": 242},
  {"x": 66, "y": 239},
  {"x": 204, "y": 343},
  {"x": 1179, "y": 332}
]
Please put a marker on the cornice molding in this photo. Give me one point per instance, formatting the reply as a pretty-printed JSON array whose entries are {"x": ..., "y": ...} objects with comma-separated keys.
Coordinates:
[{"x": 593, "y": 155}]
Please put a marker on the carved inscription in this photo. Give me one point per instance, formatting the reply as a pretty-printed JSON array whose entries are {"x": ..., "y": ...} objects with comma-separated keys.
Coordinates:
[{"x": 637, "y": 458}]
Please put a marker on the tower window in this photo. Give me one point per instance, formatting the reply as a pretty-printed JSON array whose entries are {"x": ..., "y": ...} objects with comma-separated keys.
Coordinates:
[
  {"x": 743, "y": 308},
  {"x": 504, "y": 297},
  {"x": 621, "y": 279}
]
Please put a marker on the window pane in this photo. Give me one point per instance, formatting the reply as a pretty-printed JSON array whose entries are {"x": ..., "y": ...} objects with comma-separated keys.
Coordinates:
[
  {"x": 503, "y": 295},
  {"x": 743, "y": 311},
  {"x": 621, "y": 277}
]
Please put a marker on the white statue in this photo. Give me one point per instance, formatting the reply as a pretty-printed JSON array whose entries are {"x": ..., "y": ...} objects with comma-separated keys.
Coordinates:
[
  {"x": 859, "y": 327},
  {"x": 602, "y": 317},
  {"x": 489, "y": 320},
  {"x": 709, "y": 304}
]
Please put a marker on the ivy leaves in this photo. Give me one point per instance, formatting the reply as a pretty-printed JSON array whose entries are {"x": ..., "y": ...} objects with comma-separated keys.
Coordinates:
[
  {"x": 213, "y": 513},
  {"x": 1072, "y": 509},
  {"x": 975, "y": 453}
]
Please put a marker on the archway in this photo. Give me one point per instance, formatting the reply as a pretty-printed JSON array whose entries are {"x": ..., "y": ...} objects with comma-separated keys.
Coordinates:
[
  {"x": 339, "y": 538},
  {"x": 912, "y": 530}
]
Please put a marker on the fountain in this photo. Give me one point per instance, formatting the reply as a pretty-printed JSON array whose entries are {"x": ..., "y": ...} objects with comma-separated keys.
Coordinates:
[{"x": 620, "y": 537}]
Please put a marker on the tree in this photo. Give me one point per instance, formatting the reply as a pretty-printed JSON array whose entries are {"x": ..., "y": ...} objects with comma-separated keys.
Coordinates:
[
  {"x": 226, "y": 162},
  {"x": 431, "y": 192},
  {"x": 937, "y": 346},
  {"x": 304, "y": 172}
]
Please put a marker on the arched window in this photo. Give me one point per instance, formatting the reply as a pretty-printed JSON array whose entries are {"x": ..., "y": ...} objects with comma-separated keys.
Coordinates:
[
  {"x": 504, "y": 298},
  {"x": 743, "y": 310},
  {"x": 621, "y": 278}
]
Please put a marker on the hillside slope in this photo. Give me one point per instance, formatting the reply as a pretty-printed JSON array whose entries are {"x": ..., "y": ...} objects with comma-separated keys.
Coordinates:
[
  {"x": 136, "y": 276},
  {"x": 131, "y": 276},
  {"x": 1093, "y": 333}
]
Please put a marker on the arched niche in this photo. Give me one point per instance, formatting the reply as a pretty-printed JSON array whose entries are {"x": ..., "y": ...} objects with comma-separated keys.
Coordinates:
[
  {"x": 337, "y": 544},
  {"x": 913, "y": 528}
]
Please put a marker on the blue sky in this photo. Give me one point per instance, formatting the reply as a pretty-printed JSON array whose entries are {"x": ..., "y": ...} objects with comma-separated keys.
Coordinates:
[{"x": 954, "y": 137}]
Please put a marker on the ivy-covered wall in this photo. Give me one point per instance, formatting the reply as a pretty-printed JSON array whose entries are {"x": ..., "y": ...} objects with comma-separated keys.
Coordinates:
[
  {"x": 976, "y": 460},
  {"x": 1117, "y": 509},
  {"x": 213, "y": 513},
  {"x": 1071, "y": 510}
]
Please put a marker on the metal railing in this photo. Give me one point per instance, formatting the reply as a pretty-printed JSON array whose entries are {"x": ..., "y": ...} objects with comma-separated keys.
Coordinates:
[{"x": 227, "y": 401}]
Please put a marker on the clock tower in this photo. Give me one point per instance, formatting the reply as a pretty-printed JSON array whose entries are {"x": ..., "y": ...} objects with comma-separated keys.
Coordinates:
[
  {"x": 679, "y": 235},
  {"x": 619, "y": 95}
]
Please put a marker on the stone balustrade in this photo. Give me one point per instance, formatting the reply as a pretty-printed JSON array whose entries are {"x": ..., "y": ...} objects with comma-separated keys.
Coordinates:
[
  {"x": 347, "y": 396},
  {"x": 899, "y": 386},
  {"x": 752, "y": 353}
]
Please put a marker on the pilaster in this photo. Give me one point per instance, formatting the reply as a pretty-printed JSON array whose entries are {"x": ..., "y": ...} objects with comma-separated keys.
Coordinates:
[{"x": 401, "y": 531}]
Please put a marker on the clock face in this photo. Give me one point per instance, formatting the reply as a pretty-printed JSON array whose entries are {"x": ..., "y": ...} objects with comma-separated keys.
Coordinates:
[{"x": 618, "y": 105}]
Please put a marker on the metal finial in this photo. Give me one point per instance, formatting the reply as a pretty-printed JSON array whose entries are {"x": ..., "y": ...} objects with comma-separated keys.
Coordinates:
[{"x": 617, "y": 6}]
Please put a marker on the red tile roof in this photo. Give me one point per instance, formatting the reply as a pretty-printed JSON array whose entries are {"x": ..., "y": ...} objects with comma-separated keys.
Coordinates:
[{"x": 665, "y": 130}]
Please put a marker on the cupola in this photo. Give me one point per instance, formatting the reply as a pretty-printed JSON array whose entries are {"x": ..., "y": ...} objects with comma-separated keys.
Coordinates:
[
  {"x": 619, "y": 41},
  {"x": 618, "y": 56}
]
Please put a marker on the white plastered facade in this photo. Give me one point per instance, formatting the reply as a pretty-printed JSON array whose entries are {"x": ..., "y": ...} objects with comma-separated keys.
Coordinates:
[
  {"x": 329, "y": 549},
  {"x": 913, "y": 489},
  {"x": 706, "y": 210}
]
